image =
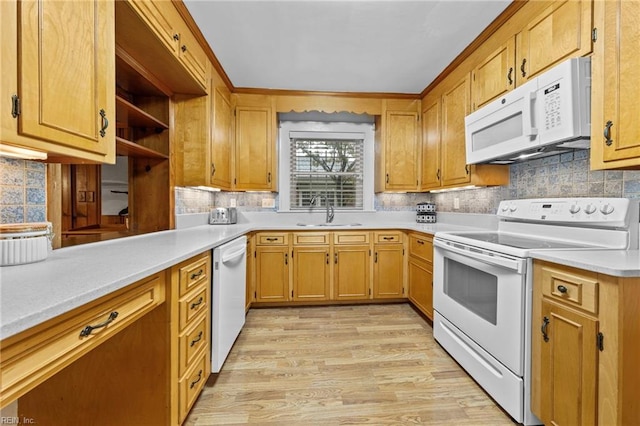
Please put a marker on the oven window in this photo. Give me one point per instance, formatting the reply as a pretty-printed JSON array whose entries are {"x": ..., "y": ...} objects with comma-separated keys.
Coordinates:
[{"x": 474, "y": 289}]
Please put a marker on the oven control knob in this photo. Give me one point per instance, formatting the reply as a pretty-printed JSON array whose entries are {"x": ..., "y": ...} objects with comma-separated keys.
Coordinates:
[
  {"x": 504, "y": 207},
  {"x": 606, "y": 209},
  {"x": 513, "y": 208},
  {"x": 574, "y": 209},
  {"x": 589, "y": 208}
]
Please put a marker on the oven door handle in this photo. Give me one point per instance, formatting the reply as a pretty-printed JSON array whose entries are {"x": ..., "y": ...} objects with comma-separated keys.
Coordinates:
[{"x": 483, "y": 256}]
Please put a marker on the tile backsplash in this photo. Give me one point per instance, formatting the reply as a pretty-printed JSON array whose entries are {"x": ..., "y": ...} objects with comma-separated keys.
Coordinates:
[
  {"x": 23, "y": 193},
  {"x": 562, "y": 175}
]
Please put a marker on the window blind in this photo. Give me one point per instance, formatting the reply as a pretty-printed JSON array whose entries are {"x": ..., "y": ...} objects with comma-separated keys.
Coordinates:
[{"x": 329, "y": 167}]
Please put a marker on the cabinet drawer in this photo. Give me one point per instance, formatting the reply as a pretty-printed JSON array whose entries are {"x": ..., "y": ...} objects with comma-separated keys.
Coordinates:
[
  {"x": 571, "y": 287},
  {"x": 351, "y": 238},
  {"x": 307, "y": 238},
  {"x": 388, "y": 237},
  {"x": 193, "y": 304},
  {"x": 194, "y": 272},
  {"x": 191, "y": 343},
  {"x": 272, "y": 239},
  {"x": 191, "y": 384},
  {"x": 35, "y": 355},
  {"x": 421, "y": 246}
]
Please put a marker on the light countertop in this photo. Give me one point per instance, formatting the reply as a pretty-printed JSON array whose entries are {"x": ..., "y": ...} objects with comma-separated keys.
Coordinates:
[
  {"x": 618, "y": 263},
  {"x": 71, "y": 277}
]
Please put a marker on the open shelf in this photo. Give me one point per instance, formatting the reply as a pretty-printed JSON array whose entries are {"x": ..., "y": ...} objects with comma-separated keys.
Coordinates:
[
  {"x": 135, "y": 117},
  {"x": 132, "y": 149}
]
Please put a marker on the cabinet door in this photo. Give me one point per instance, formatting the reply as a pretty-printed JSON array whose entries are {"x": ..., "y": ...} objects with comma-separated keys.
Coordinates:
[
  {"x": 352, "y": 266},
  {"x": 311, "y": 273},
  {"x": 494, "y": 76},
  {"x": 221, "y": 140},
  {"x": 67, "y": 77},
  {"x": 162, "y": 18},
  {"x": 388, "y": 271},
  {"x": 615, "y": 90},
  {"x": 431, "y": 172},
  {"x": 272, "y": 274},
  {"x": 421, "y": 286},
  {"x": 254, "y": 149},
  {"x": 401, "y": 151},
  {"x": 561, "y": 31},
  {"x": 568, "y": 366},
  {"x": 455, "y": 106}
]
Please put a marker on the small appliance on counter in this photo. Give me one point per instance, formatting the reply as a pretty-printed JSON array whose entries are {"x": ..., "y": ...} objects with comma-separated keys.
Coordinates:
[
  {"x": 22, "y": 243},
  {"x": 223, "y": 216},
  {"x": 426, "y": 213}
]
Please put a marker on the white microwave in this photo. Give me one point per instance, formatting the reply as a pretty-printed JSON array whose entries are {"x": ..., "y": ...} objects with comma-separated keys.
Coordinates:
[{"x": 546, "y": 115}]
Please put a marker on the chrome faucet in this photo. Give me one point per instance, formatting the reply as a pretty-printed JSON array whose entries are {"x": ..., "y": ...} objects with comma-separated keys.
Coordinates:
[{"x": 330, "y": 211}]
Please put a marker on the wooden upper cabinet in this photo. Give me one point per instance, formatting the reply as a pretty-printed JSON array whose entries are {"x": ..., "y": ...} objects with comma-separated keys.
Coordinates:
[
  {"x": 221, "y": 144},
  {"x": 254, "y": 149},
  {"x": 494, "y": 76},
  {"x": 64, "y": 80},
  {"x": 455, "y": 106},
  {"x": 615, "y": 89},
  {"x": 431, "y": 173},
  {"x": 561, "y": 31},
  {"x": 401, "y": 151}
]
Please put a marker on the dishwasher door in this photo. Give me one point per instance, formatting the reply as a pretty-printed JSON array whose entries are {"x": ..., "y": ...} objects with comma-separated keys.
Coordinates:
[{"x": 228, "y": 298}]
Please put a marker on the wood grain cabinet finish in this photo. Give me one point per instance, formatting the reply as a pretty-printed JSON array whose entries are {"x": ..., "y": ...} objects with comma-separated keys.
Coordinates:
[
  {"x": 420, "y": 272},
  {"x": 615, "y": 141},
  {"x": 311, "y": 272},
  {"x": 388, "y": 265},
  {"x": 190, "y": 332},
  {"x": 401, "y": 144},
  {"x": 64, "y": 80},
  {"x": 585, "y": 345},
  {"x": 559, "y": 32},
  {"x": 30, "y": 358},
  {"x": 494, "y": 76},
  {"x": 352, "y": 262},
  {"x": 272, "y": 263},
  {"x": 254, "y": 149},
  {"x": 221, "y": 139}
]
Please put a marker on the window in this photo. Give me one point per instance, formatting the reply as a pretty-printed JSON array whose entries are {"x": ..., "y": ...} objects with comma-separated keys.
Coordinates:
[{"x": 326, "y": 160}]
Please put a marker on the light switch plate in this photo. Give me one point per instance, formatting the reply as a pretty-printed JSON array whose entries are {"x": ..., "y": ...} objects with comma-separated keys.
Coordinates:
[
  {"x": 456, "y": 203},
  {"x": 268, "y": 203},
  {"x": 232, "y": 202}
]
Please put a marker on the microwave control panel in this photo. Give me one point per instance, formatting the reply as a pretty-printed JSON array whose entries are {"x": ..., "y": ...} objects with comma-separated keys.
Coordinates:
[{"x": 552, "y": 106}]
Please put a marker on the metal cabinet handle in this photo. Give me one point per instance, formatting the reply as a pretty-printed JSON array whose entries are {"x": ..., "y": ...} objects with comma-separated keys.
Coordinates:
[
  {"x": 88, "y": 329},
  {"x": 269, "y": 177},
  {"x": 420, "y": 242},
  {"x": 509, "y": 76},
  {"x": 327, "y": 258},
  {"x": 607, "y": 133},
  {"x": 197, "y": 380},
  {"x": 438, "y": 175},
  {"x": 271, "y": 239},
  {"x": 105, "y": 123},
  {"x": 184, "y": 48},
  {"x": 387, "y": 238},
  {"x": 335, "y": 258},
  {"x": 375, "y": 258},
  {"x": 562, "y": 289},
  {"x": 196, "y": 340},
  {"x": 545, "y": 325},
  {"x": 387, "y": 177},
  {"x": 522, "y": 67},
  {"x": 466, "y": 168},
  {"x": 176, "y": 36},
  {"x": 213, "y": 169},
  {"x": 198, "y": 303},
  {"x": 197, "y": 274},
  {"x": 286, "y": 258}
]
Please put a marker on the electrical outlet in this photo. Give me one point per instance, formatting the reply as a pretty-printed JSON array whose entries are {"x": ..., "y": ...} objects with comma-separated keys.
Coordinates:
[
  {"x": 268, "y": 203},
  {"x": 456, "y": 203},
  {"x": 232, "y": 202}
]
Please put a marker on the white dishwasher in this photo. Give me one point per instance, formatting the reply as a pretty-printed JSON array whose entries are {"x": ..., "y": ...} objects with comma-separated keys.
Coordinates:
[{"x": 228, "y": 298}]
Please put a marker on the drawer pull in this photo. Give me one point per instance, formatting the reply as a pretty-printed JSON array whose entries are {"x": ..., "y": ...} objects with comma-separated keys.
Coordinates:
[
  {"x": 562, "y": 289},
  {"x": 88, "y": 329},
  {"x": 196, "y": 340},
  {"x": 387, "y": 238},
  {"x": 420, "y": 242},
  {"x": 545, "y": 325},
  {"x": 271, "y": 239},
  {"x": 195, "y": 382},
  {"x": 197, "y": 274},
  {"x": 198, "y": 303}
]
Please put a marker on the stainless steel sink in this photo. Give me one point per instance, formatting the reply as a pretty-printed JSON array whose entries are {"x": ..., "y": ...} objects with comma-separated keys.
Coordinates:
[{"x": 311, "y": 225}]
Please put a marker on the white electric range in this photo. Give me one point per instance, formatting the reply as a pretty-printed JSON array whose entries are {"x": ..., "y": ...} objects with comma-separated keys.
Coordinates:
[{"x": 483, "y": 284}]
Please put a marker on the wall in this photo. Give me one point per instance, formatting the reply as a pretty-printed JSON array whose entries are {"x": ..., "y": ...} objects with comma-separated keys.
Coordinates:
[
  {"x": 22, "y": 191},
  {"x": 564, "y": 175}
]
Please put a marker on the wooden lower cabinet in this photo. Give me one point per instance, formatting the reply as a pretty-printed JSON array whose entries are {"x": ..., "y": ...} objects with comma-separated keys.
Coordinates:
[
  {"x": 311, "y": 278},
  {"x": 388, "y": 265},
  {"x": 585, "y": 345},
  {"x": 272, "y": 274},
  {"x": 420, "y": 277},
  {"x": 352, "y": 272}
]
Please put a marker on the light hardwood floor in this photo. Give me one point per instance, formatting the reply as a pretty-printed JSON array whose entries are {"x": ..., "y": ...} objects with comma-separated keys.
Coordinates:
[{"x": 339, "y": 365}]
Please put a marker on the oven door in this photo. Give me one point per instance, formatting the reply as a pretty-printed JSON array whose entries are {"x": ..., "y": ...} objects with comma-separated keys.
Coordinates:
[{"x": 483, "y": 294}]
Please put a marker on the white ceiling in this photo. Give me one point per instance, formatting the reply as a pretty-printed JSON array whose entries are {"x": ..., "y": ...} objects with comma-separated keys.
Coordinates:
[{"x": 395, "y": 46}]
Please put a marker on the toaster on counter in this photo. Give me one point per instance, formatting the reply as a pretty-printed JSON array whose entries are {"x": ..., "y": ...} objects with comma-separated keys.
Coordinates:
[{"x": 223, "y": 216}]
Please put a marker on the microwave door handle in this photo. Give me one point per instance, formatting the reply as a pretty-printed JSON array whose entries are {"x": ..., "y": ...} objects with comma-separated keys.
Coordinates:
[{"x": 527, "y": 119}]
